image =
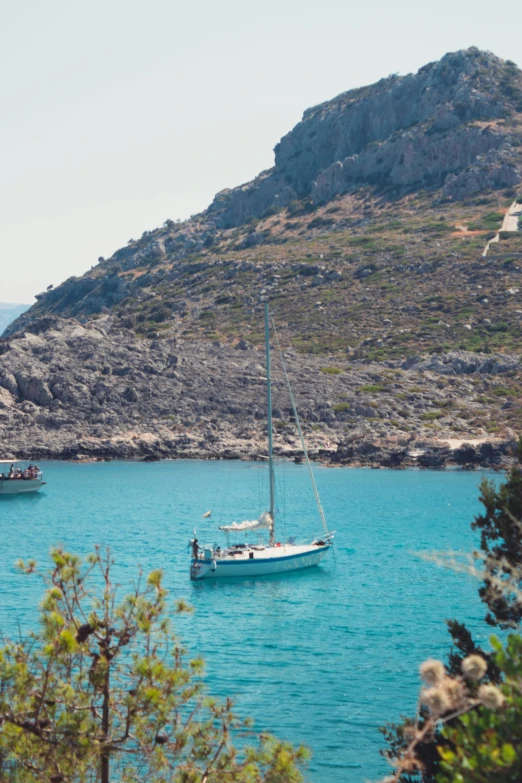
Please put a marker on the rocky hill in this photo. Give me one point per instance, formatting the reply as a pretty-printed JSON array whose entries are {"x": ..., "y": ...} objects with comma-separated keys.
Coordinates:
[
  {"x": 368, "y": 235},
  {"x": 441, "y": 127}
]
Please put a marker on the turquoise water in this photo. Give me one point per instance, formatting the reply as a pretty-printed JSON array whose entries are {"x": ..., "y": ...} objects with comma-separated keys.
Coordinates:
[{"x": 324, "y": 656}]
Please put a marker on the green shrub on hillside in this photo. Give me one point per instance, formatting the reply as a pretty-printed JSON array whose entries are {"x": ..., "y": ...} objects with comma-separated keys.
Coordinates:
[
  {"x": 372, "y": 388},
  {"x": 490, "y": 222},
  {"x": 501, "y": 392}
]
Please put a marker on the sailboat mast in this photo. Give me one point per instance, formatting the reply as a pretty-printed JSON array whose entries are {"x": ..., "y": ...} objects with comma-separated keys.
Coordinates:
[{"x": 269, "y": 425}]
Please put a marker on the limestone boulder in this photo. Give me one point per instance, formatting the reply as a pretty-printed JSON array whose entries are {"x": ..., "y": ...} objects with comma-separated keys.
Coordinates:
[{"x": 34, "y": 389}]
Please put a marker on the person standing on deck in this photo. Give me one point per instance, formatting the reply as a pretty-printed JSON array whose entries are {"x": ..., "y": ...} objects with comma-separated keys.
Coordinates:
[{"x": 195, "y": 549}]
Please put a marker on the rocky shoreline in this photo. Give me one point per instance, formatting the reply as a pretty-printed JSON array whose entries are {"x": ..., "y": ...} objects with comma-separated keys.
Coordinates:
[
  {"x": 425, "y": 456},
  {"x": 95, "y": 391},
  {"x": 485, "y": 456}
]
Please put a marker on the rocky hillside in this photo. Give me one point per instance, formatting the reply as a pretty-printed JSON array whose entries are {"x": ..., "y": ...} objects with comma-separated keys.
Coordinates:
[
  {"x": 99, "y": 391},
  {"x": 367, "y": 235}
]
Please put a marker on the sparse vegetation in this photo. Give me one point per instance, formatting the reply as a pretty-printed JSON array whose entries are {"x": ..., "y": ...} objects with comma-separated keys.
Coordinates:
[
  {"x": 372, "y": 388},
  {"x": 331, "y": 370},
  {"x": 490, "y": 222}
]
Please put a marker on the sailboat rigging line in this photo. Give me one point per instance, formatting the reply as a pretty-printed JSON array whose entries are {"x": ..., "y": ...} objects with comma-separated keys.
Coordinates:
[
  {"x": 259, "y": 495},
  {"x": 269, "y": 424},
  {"x": 215, "y": 494},
  {"x": 298, "y": 424},
  {"x": 225, "y": 474},
  {"x": 284, "y": 498}
]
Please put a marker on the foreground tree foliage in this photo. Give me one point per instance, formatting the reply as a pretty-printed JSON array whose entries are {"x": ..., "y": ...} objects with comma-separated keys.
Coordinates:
[
  {"x": 103, "y": 691},
  {"x": 501, "y": 544},
  {"x": 485, "y": 744},
  {"x": 451, "y": 745},
  {"x": 473, "y": 727}
]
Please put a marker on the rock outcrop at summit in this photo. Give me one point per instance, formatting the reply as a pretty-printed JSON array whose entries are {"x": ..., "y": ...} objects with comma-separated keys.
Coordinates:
[{"x": 439, "y": 127}]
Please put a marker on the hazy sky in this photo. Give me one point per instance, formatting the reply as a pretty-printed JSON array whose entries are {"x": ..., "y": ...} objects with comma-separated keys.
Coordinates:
[{"x": 118, "y": 114}]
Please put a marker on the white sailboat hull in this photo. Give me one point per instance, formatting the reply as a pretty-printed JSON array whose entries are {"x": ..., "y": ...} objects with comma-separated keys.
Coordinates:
[
  {"x": 19, "y": 486},
  {"x": 272, "y": 560}
]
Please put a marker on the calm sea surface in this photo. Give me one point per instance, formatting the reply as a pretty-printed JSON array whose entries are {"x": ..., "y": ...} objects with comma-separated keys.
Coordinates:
[{"x": 322, "y": 657}]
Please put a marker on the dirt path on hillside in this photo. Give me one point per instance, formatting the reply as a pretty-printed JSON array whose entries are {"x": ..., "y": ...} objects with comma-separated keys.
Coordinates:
[{"x": 510, "y": 223}]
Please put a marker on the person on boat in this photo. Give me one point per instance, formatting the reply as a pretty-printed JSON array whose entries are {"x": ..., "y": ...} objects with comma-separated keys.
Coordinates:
[
  {"x": 195, "y": 549},
  {"x": 11, "y": 471}
]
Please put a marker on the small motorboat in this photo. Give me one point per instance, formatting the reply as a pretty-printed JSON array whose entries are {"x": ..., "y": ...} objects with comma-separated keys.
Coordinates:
[{"x": 18, "y": 478}]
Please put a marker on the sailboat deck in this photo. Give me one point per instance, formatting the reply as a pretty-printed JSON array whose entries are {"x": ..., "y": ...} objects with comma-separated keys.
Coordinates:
[{"x": 263, "y": 553}]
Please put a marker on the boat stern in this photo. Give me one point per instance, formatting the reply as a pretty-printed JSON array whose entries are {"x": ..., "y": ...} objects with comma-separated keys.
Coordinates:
[{"x": 199, "y": 569}]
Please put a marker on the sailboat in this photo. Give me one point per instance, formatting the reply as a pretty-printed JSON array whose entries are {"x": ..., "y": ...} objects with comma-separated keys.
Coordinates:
[{"x": 273, "y": 557}]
